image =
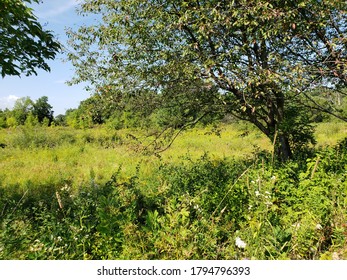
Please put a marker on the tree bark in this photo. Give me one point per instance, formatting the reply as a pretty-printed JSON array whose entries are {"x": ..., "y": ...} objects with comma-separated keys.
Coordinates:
[{"x": 284, "y": 151}]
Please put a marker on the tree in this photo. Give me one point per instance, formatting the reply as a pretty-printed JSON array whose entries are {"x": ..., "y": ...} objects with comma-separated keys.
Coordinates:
[
  {"x": 22, "y": 107},
  {"x": 60, "y": 120},
  {"x": 246, "y": 52},
  {"x": 43, "y": 110},
  {"x": 2, "y": 119},
  {"x": 24, "y": 45},
  {"x": 318, "y": 42},
  {"x": 31, "y": 120},
  {"x": 321, "y": 35}
]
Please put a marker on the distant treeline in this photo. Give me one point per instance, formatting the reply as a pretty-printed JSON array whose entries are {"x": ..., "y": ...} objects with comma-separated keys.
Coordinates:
[
  {"x": 110, "y": 108},
  {"x": 28, "y": 112}
]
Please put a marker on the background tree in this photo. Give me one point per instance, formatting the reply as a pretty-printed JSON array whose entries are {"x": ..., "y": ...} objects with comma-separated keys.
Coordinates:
[
  {"x": 3, "y": 117},
  {"x": 60, "y": 120},
  {"x": 22, "y": 107},
  {"x": 24, "y": 45},
  {"x": 246, "y": 51},
  {"x": 31, "y": 120},
  {"x": 43, "y": 110}
]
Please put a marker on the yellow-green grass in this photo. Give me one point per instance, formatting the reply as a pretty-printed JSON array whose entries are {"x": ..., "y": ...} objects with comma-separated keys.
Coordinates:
[
  {"x": 63, "y": 165},
  {"x": 230, "y": 142},
  {"x": 328, "y": 134},
  {"x": 79, "y": 162}
]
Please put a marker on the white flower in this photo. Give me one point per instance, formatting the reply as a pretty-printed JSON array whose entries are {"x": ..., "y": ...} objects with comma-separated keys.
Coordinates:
[
  {"x": 257, "y": 193},
  {"x": 65, "y": 188},
  {"x": 296, "y": 225},
  {"x": 273, "y": 178},
  {"x": 319, "y": 226},
  {"x": 240, "y": 243},
  {"x": 196, "y": 207}
]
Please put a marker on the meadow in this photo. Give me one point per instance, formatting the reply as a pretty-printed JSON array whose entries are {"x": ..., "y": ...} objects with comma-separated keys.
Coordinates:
[{"x": 216, "y": 193}]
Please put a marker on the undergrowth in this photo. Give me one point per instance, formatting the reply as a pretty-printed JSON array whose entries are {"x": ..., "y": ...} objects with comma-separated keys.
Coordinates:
[{"x": 203, "y": 208}]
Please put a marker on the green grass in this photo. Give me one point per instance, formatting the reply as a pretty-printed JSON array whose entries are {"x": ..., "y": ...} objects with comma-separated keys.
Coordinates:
[
  {"x": 71, "y": 155},
  {"x": 64, "y": 155},
  {"x": 330, "y": 133},
  {"x": 89, "y": 194}
]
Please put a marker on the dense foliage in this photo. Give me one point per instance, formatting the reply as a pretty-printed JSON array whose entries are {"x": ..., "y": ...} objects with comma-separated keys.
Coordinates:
[
  {"x": 24, "y": 45},
  {"x": 184, "y": 209},
  {"x": 257, "y": 60},
  {"x": 90, "y": 186},
  {"x": 196, "y": 212},
  {"x": 28, "y": 112}
]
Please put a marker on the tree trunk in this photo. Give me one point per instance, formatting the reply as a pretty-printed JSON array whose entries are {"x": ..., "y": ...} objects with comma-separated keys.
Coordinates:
[{"x": 284, "y": 151}]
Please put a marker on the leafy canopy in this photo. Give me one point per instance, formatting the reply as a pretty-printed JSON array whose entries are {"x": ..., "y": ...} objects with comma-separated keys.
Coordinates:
[
  {"x": 24, "y": 45},
  {"x": 257, "y": 59}
]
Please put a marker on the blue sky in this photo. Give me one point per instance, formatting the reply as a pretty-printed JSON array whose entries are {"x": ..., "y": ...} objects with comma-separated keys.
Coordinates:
[{"x": 55, "y": 15}]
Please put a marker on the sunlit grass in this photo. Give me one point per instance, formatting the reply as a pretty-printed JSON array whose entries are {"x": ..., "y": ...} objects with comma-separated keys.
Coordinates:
[
  {"x": 82, "y": 155},
  {"x": 231, "y": 141},
  {"x": 55, "y": 181},
  {"x": 330, "y": 133},
  {"x": 64, "y": 164}
]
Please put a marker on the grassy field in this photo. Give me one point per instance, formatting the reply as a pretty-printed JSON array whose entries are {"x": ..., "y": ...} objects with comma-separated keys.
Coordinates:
[
  {"x": 105, "y": 200},
  {"x": 59, "y": 155},
  {"x": 65, "y": 155}
]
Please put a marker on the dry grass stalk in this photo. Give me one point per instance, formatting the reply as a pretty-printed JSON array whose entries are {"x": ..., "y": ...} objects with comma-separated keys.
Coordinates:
[
  {"x": 314, "y": 168},
  {"x": 59, "y": 200}
]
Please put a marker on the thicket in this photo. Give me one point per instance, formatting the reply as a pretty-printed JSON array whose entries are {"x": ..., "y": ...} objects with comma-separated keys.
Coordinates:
[{"x": 192, "y": 209}]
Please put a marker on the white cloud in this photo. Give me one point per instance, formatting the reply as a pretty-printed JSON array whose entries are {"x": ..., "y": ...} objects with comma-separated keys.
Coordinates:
[{"x": 8, "y": 101}]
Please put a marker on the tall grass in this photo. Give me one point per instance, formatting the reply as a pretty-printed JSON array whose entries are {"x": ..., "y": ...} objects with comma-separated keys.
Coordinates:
[
  {"x": 86, "y": 194},
  {"x": 66, "y": 155}
]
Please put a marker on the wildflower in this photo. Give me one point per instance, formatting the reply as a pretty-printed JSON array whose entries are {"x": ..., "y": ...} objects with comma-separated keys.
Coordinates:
[
  {"x": 65, "y": 188},
  {"x": 240, "y": 243},
  {"x": 257, "y": 193},
  {"x": 273, "y": 178},
  {"x": 319, "y": 226},
  {"x": 267, "y": 195},
  {"x": 296, "y": 225},
  {"x": 196, "y": 207}
]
